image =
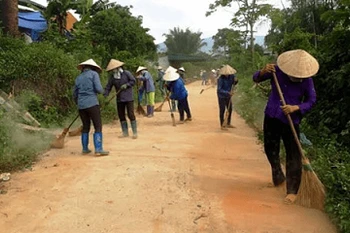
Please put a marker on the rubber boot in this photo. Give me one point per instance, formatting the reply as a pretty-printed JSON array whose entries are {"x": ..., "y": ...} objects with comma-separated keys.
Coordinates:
[
  {"x": 151, "y": 111},
  {"x": 125, "y": 129},
  {"x": 85, "y": 143},
  {"x": 98, "y": 144},
  {"x": 148, "y": 110},
  {"x": 134, "y": 129}
]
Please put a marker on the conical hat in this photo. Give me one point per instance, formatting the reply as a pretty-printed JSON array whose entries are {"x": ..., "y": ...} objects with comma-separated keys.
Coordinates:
[
  {"x": 140, "y": 68},
  {"x": 159, "y": 68},
  {"x": 114, "y": 64},
  {"x": 171, "y": 74},
  {"x": 227, "y": 70},
  {"x": 298, "y": 63},
  {"x": 89, "y": 62},
  {"x": 182, "y": 69}
]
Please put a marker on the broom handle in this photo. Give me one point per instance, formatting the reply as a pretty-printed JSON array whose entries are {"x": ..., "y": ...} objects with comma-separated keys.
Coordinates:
[
  {"x": 70, "y": 125},
  {"x": 289, "y": 118}
]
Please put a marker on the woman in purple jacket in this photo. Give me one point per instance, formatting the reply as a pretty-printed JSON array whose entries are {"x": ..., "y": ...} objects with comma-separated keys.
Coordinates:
[
  {"x": 294, "y": 70},
  {"x": 123, "y": 81}
]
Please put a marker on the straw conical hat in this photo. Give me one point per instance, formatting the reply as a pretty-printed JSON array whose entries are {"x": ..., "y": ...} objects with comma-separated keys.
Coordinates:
[
  {"x": 298, "y": 63},
  {"x": 159, "y": 68},
  {"x": 171, "y": 74},
  {"x": 227, "y": 70},
  {"x": 114, "y": 64},
  {"x": 182, "y": 69},
  {"x": 89, "y": 62},
  {"x": 140, "y": 68}
]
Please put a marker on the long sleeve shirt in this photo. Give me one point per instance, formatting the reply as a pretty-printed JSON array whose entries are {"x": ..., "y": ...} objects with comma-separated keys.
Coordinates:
[
  {"x": 302, "y": 94},
  {"x": 148, "y": 82},
  {"x": 177, "y": 89},
  {"x": 125, "y": 78},
  {"x": 87, "y": 86},
  {"x": 224, "y": 85}
]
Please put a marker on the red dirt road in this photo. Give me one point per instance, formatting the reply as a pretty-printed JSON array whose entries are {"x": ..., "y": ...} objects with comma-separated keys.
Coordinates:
[{"x": 189, "y": 178}]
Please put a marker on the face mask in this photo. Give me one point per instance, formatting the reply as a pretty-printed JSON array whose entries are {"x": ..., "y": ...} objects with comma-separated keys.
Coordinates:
[
  {"x": 120, "y": 70},
  {"x": 295, "y": 80},
  {"x": 143, "y": 72},
  {"x": 116, "y": 74}
]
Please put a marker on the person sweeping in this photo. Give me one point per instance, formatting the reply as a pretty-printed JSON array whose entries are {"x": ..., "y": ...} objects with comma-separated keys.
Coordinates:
[
  {"x": 226, "y": 83},
  {"x": 123, "y": 81},
  {"x": 293, "y": 74},
  {"x": 178, "y": 92},
  {"x": 87, "y": 86},
  {"x": 149, "y": 88}
]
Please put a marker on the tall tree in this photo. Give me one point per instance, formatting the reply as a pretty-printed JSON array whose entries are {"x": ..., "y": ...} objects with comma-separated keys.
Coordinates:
[
  {"x": 250, "y": 12},
  {"x": 9, "y": 16},
  {"x": 180, "y": 41},
  {"x": 115, "y": 30}
]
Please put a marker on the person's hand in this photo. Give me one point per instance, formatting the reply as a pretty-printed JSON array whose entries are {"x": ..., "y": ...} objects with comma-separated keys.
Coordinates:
[
  {"x": 288, "y": 109},
  {"x": 269, "y": 68},
  {"x": 123, "y": 87}
]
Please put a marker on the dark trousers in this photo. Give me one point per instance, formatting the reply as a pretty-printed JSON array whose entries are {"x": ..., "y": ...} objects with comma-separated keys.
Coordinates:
[
  {"x": 274, "y": 130},
  {"x": 128, "y": 107},
  {"x": 91, "y": 114},
  {"x": 182, "y": 106},
  {"x": 223, "y": 104}
]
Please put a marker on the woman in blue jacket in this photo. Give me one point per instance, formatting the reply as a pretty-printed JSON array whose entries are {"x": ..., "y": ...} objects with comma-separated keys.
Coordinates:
[
  {"x": 225, "y": 85},
  {"x": 87, "y": 86},
  {"x": 178, "y": 92},
  {"x": 149, "y": 88}
]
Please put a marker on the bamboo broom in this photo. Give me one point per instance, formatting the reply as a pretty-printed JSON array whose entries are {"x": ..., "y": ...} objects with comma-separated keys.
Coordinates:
[{"x": 311, "y": 190}]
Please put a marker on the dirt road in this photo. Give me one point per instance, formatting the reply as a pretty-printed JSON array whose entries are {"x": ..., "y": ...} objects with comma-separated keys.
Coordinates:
[{"x": 189, "y": 178}]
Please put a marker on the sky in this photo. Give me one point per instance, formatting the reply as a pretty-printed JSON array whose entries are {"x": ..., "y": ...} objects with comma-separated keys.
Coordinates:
[{"x": 160, "y": 16}]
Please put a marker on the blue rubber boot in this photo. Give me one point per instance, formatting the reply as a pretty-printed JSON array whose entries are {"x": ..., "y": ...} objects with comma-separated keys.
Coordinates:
[
  {"x": 98, "y": 144},
  {"x": 134, "y": 129},
  {"x": 85, "y": 143}
]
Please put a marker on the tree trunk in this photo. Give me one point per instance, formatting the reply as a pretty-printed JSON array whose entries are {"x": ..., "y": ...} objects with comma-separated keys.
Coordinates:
[
  {"x": 252, "y": 41},
  {"x": 9, "y": 17}
]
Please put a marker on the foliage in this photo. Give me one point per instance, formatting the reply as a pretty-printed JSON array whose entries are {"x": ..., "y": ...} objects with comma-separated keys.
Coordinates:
[
  {"x": 42, "y": 68},
  {"x": 249, "y": 13},
  {"x": 18, "y": 149},
  {"x": 115, "y": 30},
  {"x": 185, "y": 42}
]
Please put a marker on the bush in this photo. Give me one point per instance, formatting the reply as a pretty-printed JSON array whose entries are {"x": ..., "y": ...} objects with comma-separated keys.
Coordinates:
[{"x": 18, "y": 149}]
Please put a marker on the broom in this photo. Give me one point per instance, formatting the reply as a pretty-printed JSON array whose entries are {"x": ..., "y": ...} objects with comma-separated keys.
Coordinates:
[
  {"x": 311, "y": 190},
  {"x": 159, "y": 108},
  {"x": 172, "y": 113},
  {"x": 139, "y": 109},
  {"x": 59, "y": 141},
  {"x": 204, "y": 89}
]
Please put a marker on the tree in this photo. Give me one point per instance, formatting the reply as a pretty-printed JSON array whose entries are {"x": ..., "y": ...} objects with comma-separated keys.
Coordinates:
[
  {"x": 115, "y": 30},
  {"x": 9, "y": 16},
  {"x": 232, "y": 41},
  {"x": 185, "y": 42},
  {"x": 247, "y": 16},
  {"x": 57, "y": 10}
]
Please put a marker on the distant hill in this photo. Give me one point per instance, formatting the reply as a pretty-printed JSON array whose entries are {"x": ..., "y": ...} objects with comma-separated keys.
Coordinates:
[{"x": 161, "y": 48}]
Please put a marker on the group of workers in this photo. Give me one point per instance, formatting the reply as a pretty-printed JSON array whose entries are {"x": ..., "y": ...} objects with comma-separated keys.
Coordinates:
[{"x": 293, "y": 72}]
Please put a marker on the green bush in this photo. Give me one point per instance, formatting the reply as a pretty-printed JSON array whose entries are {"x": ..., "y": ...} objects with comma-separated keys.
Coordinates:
[{"x": 18, "y": 148}]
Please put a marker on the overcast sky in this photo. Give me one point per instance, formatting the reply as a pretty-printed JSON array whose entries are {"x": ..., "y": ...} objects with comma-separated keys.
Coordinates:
[{"x": 162, "y": 15}]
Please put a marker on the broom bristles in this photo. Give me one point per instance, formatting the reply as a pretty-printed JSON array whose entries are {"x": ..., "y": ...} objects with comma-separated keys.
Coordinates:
[
  {"x": 140, "y": 110},
  {"x": 311, "y": 192},
  {"x": 76, "y": 132},
  {"x": 159, "y": 108}
]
